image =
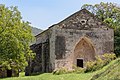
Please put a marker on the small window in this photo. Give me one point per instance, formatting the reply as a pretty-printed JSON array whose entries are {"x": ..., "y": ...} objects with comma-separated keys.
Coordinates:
[{"x": 83, "y": 21}]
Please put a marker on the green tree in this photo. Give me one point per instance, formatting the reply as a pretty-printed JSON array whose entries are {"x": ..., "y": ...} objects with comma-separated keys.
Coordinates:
[
  {"x": 15, "y": 38},
  {"x": 110, "y": 14}
]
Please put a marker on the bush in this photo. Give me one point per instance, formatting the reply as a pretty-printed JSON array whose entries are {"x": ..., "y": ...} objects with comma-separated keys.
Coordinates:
[
  {"x": 60, "y": 71},
  {"x": 78, "y": 69},
  {"x": 65, "y": 71},
  {"x": 100, "y": 62},
  {"x": 90, "y": 66},
  {"x": 109, "y": 57}
]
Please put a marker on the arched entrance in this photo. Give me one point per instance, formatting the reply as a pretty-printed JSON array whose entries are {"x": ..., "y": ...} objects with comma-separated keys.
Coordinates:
[{"x": 84, "y": 51}]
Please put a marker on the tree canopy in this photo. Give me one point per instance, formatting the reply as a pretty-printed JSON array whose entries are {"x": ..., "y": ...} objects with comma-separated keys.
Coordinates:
[
  {"x": 15, "y": 38},
  {"x": 110, "y": 14}
]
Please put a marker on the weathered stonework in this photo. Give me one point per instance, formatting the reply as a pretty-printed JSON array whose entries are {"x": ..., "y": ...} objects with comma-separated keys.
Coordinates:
[
  {"x": 8, "y": 73},
  {"x": 81, "y": 36}
]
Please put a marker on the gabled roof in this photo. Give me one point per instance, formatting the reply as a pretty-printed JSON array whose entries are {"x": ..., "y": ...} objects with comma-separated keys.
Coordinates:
[
  {"x": 82, "y": 15},
  {"x": 76, "y": 15}
]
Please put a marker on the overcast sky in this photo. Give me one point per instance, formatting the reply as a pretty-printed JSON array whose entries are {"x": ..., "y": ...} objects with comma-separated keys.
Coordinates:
[{"x": 44, "y": 13}]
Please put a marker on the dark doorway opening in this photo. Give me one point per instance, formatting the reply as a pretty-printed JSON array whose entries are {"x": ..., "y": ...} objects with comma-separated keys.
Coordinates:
[
  {"x": 9, "y": 73},
  {"x": 80, "y": 63}
]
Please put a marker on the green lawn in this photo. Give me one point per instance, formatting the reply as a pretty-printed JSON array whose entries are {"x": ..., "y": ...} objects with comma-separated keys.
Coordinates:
[
  {"x": 109, "y": 72},
  {"x": 49, "y": 76},
  {"x": 105, "y": 73}
]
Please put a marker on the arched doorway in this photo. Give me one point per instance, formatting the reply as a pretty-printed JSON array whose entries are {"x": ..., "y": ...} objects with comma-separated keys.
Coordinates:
[{"x": 84, "y": 51}]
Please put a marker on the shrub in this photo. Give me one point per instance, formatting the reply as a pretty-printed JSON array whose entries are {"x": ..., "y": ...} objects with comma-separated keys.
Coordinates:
[
  {"x": 60, "y": 71},
  {"x": 100, "y": 62},
  {"x": 109, "y": 57},
  {"x": 90, "y": 66},
  {"x": 78, "y": 69},
  {"x": 65, "y": 71}
]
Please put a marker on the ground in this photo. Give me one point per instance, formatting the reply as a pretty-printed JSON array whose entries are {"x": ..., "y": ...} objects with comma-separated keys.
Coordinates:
[
  {"x": 107, "y": 74},
  {"x": 49, "y": 76}
]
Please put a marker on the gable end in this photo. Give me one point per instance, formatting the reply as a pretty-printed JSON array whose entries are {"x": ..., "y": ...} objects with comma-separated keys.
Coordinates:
[{"x": 82, "y": 20}]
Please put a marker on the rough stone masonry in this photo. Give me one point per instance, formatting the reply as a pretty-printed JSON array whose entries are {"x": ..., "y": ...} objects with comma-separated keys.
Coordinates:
[{"x": 73, "y": 41}]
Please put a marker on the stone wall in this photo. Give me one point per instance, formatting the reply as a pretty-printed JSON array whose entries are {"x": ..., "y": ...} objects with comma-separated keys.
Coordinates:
[
  {"x": 5, "y": 73},
  {"x": 82, "y": 20},
  {"x": 41, "y": 62},
  {"x": 102, "y": 40},
  {"x": 60, "y": 47}
]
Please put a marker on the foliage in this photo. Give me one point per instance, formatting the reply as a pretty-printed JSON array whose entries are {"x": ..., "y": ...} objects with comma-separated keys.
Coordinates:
[
  {"x": 100, "y": 62},
  {"x": 90, "y": 66},
  {"x": 78, "y": 69},
  {"x": 66, "y": 71},
  {"x": 15, "y": 37},
  {"x": 112, "y": 68},
  {"x": 60, "y": 71},
  {"x": 110, "y": 72},
  {"x": 110, "y": 14}
]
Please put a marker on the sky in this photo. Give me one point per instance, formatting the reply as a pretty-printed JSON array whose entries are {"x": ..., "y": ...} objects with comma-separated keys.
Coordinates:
[{"x": 44, "y": 13}]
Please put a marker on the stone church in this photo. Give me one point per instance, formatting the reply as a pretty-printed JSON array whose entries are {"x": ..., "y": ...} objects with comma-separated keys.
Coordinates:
[{"x": 73, "y": 41}]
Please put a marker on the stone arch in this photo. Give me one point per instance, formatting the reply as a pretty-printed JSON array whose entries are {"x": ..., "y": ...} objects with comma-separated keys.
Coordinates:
[{"x": 85, "y": 50}]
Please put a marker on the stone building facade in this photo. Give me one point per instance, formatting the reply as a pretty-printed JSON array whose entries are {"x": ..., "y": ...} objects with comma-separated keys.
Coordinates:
[
  {"x": 73, "y": 41},
  {"x": 8, "y": 73}
]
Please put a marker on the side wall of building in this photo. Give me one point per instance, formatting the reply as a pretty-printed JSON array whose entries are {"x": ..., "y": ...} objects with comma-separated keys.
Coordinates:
[
  {"x": 8, "y": 73},
  {"x": 41, "y": 48}
]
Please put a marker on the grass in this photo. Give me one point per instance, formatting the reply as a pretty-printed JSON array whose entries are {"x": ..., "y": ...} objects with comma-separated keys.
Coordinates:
[
  {"x": 49, "y": 76},
  {"x": 112, "y": 70},
  {"x": 109, "y": 72}
]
